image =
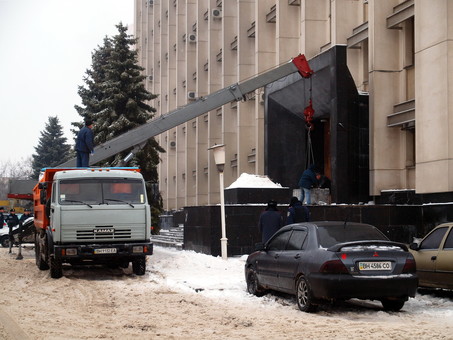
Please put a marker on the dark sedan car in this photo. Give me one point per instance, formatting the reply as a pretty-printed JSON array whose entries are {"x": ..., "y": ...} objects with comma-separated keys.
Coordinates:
[{"x": 327, "y": 261}]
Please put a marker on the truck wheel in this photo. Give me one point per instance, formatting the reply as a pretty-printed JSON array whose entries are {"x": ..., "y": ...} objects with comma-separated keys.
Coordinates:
[
  {"x": 56, "y": 269},
  {"x": 4, "y": 240},
  {"x": 40, "y": 262},
  {"x": 139, "y": 266}
]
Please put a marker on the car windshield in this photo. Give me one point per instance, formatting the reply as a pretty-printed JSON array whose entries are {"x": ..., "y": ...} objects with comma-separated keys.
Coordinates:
[
  {"x": 105, "y": 191},
  {"x": 330, "y": 235}
]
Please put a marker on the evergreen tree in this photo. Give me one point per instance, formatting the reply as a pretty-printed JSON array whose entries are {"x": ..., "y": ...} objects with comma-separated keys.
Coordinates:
[
  {"x": 52, "y": 148},
  {"x": 115, "y": 97}
]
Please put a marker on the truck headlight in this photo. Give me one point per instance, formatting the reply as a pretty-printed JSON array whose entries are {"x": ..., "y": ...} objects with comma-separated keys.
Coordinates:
[
  {"x": 71, "y": 251},
  {"x": 137, "y": 249}
]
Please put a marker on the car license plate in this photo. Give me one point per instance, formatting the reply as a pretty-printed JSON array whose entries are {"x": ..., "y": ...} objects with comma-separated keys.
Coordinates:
[
  {"x": 383, "y": 265},
  {"x": 105, "y": 251}
]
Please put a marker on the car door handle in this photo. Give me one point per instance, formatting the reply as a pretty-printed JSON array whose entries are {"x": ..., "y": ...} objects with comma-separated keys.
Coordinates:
[
  {"x": 297, "y": 256},
  {"x": 433, "y": 258}
]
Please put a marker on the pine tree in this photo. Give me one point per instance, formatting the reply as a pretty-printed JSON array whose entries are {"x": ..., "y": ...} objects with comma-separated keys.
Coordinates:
[
  {"x": 52, "y": 148},
  {"x": 115, "y": 97}
]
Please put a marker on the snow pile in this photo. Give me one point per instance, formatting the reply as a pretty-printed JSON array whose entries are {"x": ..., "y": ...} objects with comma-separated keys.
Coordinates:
[
  {"x": 189, "y": 271},
  {"x": 253, "y": 181}
]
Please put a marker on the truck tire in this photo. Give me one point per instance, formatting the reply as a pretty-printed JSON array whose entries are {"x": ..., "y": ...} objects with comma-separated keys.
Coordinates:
[
  {"x": 139, "y": 266},
  {"x": 4, "y": 241},
  {"x": 56, "y": 268},
  {"x": 40, "y": 261}
]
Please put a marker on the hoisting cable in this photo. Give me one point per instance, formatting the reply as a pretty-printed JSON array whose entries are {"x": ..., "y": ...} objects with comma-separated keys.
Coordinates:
[{"x": 308, "y": 114}]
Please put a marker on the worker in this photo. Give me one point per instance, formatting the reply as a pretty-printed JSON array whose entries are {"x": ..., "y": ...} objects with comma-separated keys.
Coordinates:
[
  {"x": 12, "y": 220},
  {"x": 27, "y": 214},
  {"x": 85, "y": 144},
  {"x": 2, "y": 217},
  {"x": 297, "y": 212},
  {"x": 270, "y": 221},
  {"x": 309, "y": 179}
]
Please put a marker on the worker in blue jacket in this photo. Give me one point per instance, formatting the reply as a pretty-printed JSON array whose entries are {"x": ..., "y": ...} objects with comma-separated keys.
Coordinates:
[
  {"x": 309, "y": 179},
  {"x": 85, "y": 144}
]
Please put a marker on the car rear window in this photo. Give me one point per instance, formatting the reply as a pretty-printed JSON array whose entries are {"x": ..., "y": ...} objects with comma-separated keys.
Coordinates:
[{"x": 330, "y": 235}]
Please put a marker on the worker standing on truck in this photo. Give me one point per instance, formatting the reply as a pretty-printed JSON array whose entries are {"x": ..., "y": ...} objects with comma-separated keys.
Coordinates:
[{"x": 85, "y": 144}]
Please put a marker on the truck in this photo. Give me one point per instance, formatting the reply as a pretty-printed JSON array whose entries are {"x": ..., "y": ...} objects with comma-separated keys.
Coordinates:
[{"x": 91, "y": 216}]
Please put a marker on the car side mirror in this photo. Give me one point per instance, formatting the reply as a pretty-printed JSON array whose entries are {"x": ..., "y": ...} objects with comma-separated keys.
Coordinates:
[
  {"x": 414, "y": 246},
  {"x": 259, "y": 246}
]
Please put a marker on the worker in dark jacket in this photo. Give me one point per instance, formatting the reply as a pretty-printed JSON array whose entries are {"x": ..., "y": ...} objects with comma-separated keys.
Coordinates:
[
  {"x": 2, "y": 217},
  {"x": 270, "y": 221},
  {"x": 12, "y": 220},
  {"x": 297, "y": 212},
  {"x": 85, "y": 144},
  {"x": 27, "y": 214},
  {"x": 309, "y": 179}
]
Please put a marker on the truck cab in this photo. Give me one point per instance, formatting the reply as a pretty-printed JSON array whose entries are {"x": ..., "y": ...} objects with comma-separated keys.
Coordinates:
[{"x": 92, "y": 216}]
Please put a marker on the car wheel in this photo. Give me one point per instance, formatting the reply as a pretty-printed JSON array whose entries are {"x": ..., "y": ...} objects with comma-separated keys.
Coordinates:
[
  {"x": 253, "y": 286},
  {"x": 304, "y": 296},
  {"x": 4, "y": 240},
  {"x": 139, "y": 266},
  {"x": 393, "y": 305}
]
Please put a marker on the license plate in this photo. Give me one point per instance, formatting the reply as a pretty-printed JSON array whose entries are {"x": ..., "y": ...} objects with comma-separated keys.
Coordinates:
[
  {"x": 105, "y": 251},
  {"x": 383, "y": 265}
]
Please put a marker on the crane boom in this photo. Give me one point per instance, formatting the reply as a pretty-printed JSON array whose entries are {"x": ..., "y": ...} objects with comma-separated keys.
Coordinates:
[{"x": 236, "y": 92}]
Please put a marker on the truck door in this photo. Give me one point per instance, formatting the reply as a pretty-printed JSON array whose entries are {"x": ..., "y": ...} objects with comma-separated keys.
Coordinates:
[{"x": 50, "y": 205}]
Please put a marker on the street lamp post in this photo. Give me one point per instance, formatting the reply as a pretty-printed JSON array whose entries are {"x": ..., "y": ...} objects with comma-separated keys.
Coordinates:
[{"x": 219, "y": 158}]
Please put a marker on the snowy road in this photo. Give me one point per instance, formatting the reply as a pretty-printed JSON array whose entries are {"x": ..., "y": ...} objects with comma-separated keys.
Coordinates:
[{"x": 185, "y": 295}]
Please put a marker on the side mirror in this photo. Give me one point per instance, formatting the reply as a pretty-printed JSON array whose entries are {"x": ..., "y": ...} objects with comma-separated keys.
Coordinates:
[
  {"x": 414, "y": 246},
  {"x": 43, "y": 196},
  {"x": 259, "y": 246}
]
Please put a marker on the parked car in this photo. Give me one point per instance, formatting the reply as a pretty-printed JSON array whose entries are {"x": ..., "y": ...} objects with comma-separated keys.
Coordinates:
[
  {"x": 434, "y": 257},
  {"x": 327, "y": 261},
  {"x": 4, "y": 237}
]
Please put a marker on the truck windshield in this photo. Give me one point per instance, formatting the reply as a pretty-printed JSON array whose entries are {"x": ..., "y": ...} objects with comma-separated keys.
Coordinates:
[{"x": 109, "y": 191}]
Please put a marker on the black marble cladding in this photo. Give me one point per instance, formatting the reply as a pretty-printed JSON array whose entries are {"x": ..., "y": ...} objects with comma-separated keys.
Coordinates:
[{"x": 401, "y": 223}]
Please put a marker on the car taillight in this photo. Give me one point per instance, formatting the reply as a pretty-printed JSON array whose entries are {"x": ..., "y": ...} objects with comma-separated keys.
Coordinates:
[
  {"x": 334, "y": 267},
  {"x": 409, "y": 266}
]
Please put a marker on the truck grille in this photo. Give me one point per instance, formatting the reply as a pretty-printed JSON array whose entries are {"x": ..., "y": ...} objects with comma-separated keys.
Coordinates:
[{"x": 118, "y": 234}]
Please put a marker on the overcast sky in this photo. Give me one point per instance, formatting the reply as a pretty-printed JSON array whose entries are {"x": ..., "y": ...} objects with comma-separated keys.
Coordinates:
[{"x": 45, "y": 48}]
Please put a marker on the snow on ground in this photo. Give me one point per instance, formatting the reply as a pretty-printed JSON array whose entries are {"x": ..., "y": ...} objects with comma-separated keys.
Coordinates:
[
  {"x": 188, "y": 295},
  {"x": 224, "y": 280}
]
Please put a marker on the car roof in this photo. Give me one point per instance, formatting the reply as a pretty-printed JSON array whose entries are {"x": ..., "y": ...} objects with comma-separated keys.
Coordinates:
[{"x": 329, "y": 224}]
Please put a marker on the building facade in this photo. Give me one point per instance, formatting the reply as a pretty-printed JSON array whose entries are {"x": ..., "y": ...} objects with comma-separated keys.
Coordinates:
[{"x": 397, "y": 54}]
